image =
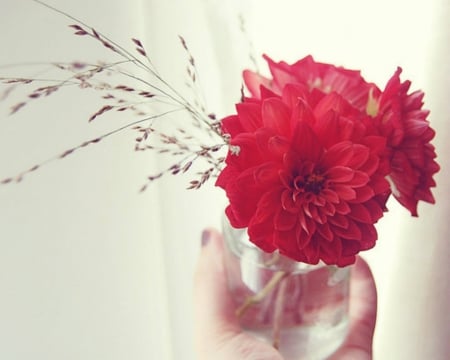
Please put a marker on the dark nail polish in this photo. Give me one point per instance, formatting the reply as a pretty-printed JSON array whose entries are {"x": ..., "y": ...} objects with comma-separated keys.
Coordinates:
[{"x": 206, "y": 235}]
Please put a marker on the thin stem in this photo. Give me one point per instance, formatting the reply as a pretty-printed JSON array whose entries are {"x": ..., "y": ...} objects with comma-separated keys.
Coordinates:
[
  {"x": 118, "y": 49},
  {"x": 181, "y": 102},
  {"x": 278, "y": 312},
  {"x": 19, "y": 177},
  {"x": 251, "y": 300}
]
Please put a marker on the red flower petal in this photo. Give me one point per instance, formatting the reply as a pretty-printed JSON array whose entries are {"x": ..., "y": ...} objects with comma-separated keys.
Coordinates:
[
  {"x": 276, "y": 115},
  {"x": 305, "y": 144},
  {"x": 253, "y": 81},
  {"x": 344, "y": 192},
  {"x": 361, "y": 213},
  {"x": 340, "y": 174},
  {"x": 250, "y": 116},
  {"x": 285, "y": 221},
  {"x": 339, "y": 154}
]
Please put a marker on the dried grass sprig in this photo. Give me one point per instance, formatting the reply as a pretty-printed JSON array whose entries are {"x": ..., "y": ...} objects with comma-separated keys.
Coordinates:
[
  {"x": 141, "y": 89},
  {"x": 18, "y": 178},
  {"x": 82, "y": 29}
]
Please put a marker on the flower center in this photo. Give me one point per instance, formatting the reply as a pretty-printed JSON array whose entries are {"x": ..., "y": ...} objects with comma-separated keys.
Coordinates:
[{"x": 312, "y": 183}]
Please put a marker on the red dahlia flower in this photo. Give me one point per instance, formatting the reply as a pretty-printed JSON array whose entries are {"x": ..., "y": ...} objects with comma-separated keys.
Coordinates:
[
  {"x": 401, "y": 119},
  {"x": 305, "y": 174},
  {"x": 316, "y": 152},
  {"x": 398, "y": 116}
]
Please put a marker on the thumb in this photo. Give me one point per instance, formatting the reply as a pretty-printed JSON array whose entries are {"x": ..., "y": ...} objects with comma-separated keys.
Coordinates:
[{"x": 213, "y": 305}]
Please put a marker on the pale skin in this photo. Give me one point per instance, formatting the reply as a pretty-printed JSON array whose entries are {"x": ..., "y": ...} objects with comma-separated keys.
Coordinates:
[{"x": 219, "y": 336}]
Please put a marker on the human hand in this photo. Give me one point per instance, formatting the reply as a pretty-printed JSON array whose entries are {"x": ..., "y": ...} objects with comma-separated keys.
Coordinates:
[{"x": 220, "y": 337}]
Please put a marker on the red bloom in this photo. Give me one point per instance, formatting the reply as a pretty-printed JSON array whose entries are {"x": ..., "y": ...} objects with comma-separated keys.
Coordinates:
[
  {"x": 398, "y": 116},
  {"x": 402, "y": 121},
  {"x": 316, "y": 152},
  {"x": 325, "y": 77},
  {"x": 305, "y": 174}
]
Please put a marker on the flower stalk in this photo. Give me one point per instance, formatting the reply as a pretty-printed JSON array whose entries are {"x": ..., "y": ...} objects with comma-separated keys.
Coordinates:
[
  {"x": 278, "y": 312},
  {"x": 259, "y": 296}
]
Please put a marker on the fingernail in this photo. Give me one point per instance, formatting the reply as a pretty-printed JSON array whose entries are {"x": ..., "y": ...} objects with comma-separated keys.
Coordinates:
[{"x": 206, "y": 236}]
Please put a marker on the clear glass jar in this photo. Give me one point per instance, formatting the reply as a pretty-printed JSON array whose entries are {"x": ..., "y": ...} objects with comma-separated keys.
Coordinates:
[{"x": 301, "y": 309}]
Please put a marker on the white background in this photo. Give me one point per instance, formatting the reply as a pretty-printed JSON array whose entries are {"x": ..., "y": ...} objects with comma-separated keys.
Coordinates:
[{"x": 90, "y": 269}]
